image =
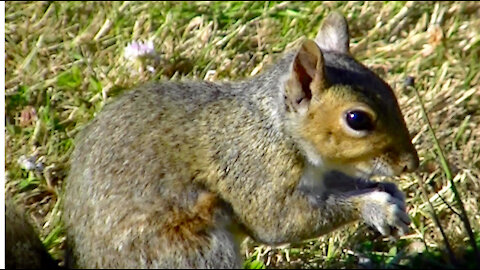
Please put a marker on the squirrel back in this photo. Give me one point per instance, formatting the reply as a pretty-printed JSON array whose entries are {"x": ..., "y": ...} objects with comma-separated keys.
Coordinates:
[{"x": 172, "y": 174}]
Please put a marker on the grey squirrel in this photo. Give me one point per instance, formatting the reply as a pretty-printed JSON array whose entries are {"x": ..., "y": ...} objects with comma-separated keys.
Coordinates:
[{"x": 175, "y": 174}]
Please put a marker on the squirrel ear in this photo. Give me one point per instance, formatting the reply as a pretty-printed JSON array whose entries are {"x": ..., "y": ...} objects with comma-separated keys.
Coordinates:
[
  {"x": 333, "y": 34},
  {"x": 307, "y": 78}
]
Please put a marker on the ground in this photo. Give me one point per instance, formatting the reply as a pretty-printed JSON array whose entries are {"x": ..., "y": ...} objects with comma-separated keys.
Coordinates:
[{"x": 65, "y": 60}]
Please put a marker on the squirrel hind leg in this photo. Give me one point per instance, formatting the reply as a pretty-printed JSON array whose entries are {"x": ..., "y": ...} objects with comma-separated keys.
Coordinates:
[
  {"x": 199, "y": 238},
  {"x": 159, "y": 233},
  {"x": 209, "y": 249}
]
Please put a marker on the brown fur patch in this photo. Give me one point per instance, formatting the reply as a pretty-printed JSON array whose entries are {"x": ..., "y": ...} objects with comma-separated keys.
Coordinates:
[{"x": 191, "y": 226}]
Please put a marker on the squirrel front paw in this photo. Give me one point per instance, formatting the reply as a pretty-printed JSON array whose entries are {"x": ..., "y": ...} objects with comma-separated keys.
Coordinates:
[{"x": 385, "y": 212}]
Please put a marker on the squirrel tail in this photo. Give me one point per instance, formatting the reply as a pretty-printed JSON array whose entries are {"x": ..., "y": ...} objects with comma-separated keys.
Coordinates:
[{"x": 23, "y": 247}]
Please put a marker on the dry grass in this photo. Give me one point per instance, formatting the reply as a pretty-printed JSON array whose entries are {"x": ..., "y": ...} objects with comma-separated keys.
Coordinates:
[{"x": 64, "y": 60}]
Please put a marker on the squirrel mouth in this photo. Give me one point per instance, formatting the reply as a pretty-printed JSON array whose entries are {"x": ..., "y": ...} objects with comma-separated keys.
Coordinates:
[{"x": 375, "y": 168}]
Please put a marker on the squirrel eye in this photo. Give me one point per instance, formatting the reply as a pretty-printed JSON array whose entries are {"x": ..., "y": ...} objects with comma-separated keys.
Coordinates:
[{"x": 359, "y": 120}]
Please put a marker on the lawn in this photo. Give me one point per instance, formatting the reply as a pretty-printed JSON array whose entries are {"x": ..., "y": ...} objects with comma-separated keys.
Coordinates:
[{"x": 65, "y": 60}]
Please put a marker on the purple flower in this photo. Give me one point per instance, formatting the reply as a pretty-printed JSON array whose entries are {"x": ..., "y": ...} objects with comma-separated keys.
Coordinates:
[{"x": 138, "y": 49}]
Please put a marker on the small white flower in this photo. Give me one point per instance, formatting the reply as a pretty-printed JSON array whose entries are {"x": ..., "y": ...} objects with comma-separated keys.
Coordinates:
[
  {"x": 30, "y": 163},
  {"x": 138, "y": 49},
  {"x": 27, "y": 163}
]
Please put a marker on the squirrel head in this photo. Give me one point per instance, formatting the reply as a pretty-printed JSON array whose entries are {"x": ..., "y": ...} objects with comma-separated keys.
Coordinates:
[{"x": 341, "y": 114}]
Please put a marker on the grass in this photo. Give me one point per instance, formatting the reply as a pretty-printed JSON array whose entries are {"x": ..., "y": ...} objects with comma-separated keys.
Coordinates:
[{"x": 64, "y": 60}]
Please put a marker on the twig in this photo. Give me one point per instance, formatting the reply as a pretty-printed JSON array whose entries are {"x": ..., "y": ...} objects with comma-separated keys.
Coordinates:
[
  {"x": 448, "y": 205},
  {"x": 453, "y": 260},
  {"x": 448, "y": 174}
]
